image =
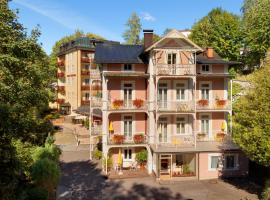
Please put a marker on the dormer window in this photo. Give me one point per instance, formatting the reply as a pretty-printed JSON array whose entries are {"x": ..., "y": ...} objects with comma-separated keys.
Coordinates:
[
  {"x": 206, "y": 68},
  {"x": 128, "y": 67}
]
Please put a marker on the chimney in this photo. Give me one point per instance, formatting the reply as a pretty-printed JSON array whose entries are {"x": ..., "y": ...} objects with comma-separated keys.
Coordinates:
[
  {"x": 148, "y": 38},
  {"x": 210, "y": 52}
]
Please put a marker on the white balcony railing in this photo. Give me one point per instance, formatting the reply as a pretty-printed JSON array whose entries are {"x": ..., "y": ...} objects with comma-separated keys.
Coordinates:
[
  {"x": 118, "y": 104},
  {"x": 176, "y": 106},
  {"x": 96, "y": 130},
  {"x": 213, "y": 104},
  {"x": 118, "y": 139},
  {"x": 96, "y": 102},
  {"x": 174, "y": 70},
  {"x": 176, "y": 140},
  {"x": 213, "y": 135}
]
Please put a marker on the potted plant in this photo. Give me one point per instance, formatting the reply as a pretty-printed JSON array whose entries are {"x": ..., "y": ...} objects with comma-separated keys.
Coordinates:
[
  {"x": 117, "y": 103},
  {"x": 220, "y": 103},
  {"x": 138, "y": 138},
  {"x": 138, "y": 103},
  {"x": 141, "y": 158},
  {"x": 203, "y": 102},
  {"x": 118, "y": 139}
]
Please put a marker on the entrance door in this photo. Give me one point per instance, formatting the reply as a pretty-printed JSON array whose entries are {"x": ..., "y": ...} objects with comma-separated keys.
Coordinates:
[
  {"x": 162, "y": 127},
  {"x": 162, "y": 95},
  {"x": 128, "y": 95},
  {"x": 128, "y": 128},
  {"x": 165, "y": 166}
]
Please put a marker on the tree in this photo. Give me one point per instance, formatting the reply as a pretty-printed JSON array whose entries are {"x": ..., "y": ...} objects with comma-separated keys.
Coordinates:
[
  {"x": 167, "y": 30},
  {"x": 256, "y": 31},
  {"x": 220, "y": 30},
  {"x": 24, "y": 94},
  {"x": 252, "y": 118},
  {"x": 132, "y": 34}
]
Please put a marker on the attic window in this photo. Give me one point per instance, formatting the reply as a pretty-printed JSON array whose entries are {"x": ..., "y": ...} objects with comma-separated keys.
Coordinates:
[
  {"x": 205, "y": 68},
  {"x": 127, "y": 67}
]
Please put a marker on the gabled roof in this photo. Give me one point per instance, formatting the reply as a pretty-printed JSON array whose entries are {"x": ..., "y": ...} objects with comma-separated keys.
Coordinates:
[
  {"x": 118, "y": 53},
  {"x": 178, "y": 37},
  {"x": 203, "y": 59}
]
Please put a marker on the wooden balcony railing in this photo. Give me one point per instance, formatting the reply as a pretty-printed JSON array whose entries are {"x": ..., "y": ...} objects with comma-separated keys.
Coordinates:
[
  {"x": 175, "y": 70},
  {"x": 176, "y": 106},
  {"x": 214, "y": 104},
  {"x": 118, "y": 139},
  {"x": 119, "y": 104},
  {"x": 60, "y": 75},
  {"x": 85, "y": 87},
  {"x": 86, "y": 60}
]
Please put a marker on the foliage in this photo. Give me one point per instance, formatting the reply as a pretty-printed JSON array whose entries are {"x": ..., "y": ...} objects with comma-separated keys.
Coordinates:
[
  {"x": 236, "y": 89},
  {"x": 37, "y": 193},
  {"x": 97, "y": 154},
  {"x": 141, "y": 157},
  {"x": 266, "y": 191},
  {"x": 166, "y": 31},
  {"x": 132, "y": 34},
  {"x": 186, "y": 169},
  {"x": 109, "y": 162},
  {"x": 50, "y": 151},
  {"x": 50, "y": 140},
  {"x": 221, "y": 30},
  {"x": 252, "y": 118},
  {"x": 46, "y": 173},
  {"x": 256, "y": 32}
]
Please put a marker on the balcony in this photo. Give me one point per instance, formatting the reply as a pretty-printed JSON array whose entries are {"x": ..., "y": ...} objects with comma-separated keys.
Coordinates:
[
  {"x": 95, "y": 74},
  {"x": 60, "y": 75},
  {"x": 85, "y": 102},
  {"x": 85, "y": 87},
  {"x": 215, "y": 136},
  {"x": 175, "y": 70},
  {"x": 60, "y": 101},
  {"x": 96, "y": 130},
  {"x": 215, "y": 104},
  {"x": 86, "y": 60},
  {"x": 61, "y": 63},
  {"x": 120, "y": 139},
  {"x": 176, "y": 106},
  {"x": 119, "y": 104},
  {"x": 176, "y": 140},
  {"x": 61, "y": 89}
]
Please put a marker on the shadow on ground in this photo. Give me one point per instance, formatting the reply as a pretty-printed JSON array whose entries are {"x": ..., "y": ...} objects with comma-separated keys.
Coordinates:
[
  {"x": 83, "y": 180},
  {"x": 244, "y": 183}
]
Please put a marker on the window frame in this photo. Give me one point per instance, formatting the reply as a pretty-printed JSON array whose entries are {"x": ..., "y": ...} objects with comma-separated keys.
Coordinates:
[
  {"x": 210, "y": 161},
  {"x": 236, "y": 162},
  {"x": 206, "y": 72},
  {"x": 125, "y": 70}
]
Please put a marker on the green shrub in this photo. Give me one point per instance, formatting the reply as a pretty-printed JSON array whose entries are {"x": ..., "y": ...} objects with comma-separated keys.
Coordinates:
[
  {"x": 186, "y": 169},
  {"x": 141, "y": 157},
  {"x": 46, "y": 173},
  {"x": 51, "y": 152},
  {"x": 50, "y": 139},
  {"x": 37, "y": 193},
  {"x": 266, "y": 191},
  {"x": 97, "y": 154},
  {"x": 109, "y": 162}
]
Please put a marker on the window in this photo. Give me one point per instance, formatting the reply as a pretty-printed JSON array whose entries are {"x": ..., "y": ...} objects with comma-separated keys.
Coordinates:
[
  {"x": 127, "y": 67},
  {"x": 214, "y": 162},
  {"x": 205, "y": 91},
  {"x": 87, "y": 81},
  {"x": 231, "y": 161},
  {"x": 171, "y": 58},
  {"x": 128, "y": 127},
  {"x": 205, "y": 68},
  {"x": 128, "y": 154},
  {"x": 191, "y": 59},
  {"x": 87, "y": 96},
  {"x": 180, "y": 91},
  {"x": 180, "y": 125},
  {"x": 205, "y": 124}
]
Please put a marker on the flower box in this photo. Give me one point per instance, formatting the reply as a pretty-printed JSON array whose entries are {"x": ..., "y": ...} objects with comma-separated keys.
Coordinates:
[
  {"x": 220, "y": 103},
  {"x": 138, "y": 103},
  {"x": 96, "y": 87},
  {"x": 138, "y": 138},
  {"x": 220, "y": 136},
  {"x": 201, "y": 136},
  {"x": 118, "y": 139},
  {"x": 117, "y": 103},
  {"x": 203, "y": 102}
]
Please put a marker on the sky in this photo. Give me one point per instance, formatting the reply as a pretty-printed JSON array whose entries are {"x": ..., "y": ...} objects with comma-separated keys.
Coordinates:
[{"x": 59, "y": 18}]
